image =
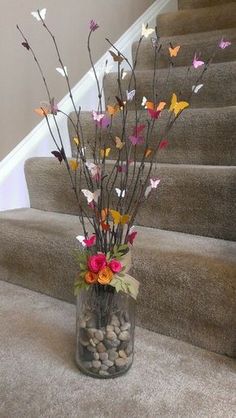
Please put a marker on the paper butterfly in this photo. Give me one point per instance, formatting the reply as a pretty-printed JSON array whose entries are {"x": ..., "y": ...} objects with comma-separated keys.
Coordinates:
[
  {"x": 196, "y": 89},
  {"x": 130, "y": 95},
  {"x": 119, "y": 143},
  {"x": 148, "y": 152},
  {"x": 155, "y": 42},
  {"x": 153, "y": 185},
  {"x": 42, "y": 14},
  {"x": 76, "y": 141},
  {"x": 138, "y": 129},
  {"x": 73, "y": 165},
  {"x": 116, "y": 58},
  {"x": 146, "y": 32},
  {"x": 120, "y": 193},
  {"x": 163, "y": 144},
  {"x": 25, "y": 45},
  {"x": 197, "y": 62},
  {"x": 62, "y": 71},
  {"x": 123, "y": 74},
  {"x": 105, "y": 152},
  {"x": 105, "y": 226},
  {"x": 60, "y": 155},
  {"x": 94, "y": 169},
  {"x": 93, "y": 25},
  {"x": 144, "y": 101},
  {"x": 131, "y": 237},
  {"x": 118, "y": 218},
  {"x": 97, "y": 116},
  {"x": 91, "y": 196},
  {"x": 224, "y": 44},
  {"x": 112, "y": 110},
  {"x": 87, "y": 242},
  {"x": 120, "y": 102},
  {"x": 136, "y": 140},
  {"x": 154, "y": 113},
  {"x": 174, "y": 51},
  {"x": 176, "y": 106}
]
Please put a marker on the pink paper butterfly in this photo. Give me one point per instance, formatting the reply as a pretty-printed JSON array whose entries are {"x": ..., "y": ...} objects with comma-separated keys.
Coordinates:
[
  {"x": 138, "y": 129},
  {"x": 136, "y": 140},
  {"x": 224, "y": 44},
  {"x": 97, "y": 116},
  {"x": 131, "y": 237},
  {"x": 154, "y": 113},
  {"x": 163, "y": 144},
  {"x": 197, "y": 62},
  {"x": 153, "y": 185}
]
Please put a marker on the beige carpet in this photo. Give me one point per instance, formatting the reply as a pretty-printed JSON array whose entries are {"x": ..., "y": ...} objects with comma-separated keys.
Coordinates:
[{"x": 39, "y": 378}]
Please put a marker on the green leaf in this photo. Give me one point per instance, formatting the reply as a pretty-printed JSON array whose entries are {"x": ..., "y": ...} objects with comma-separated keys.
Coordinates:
[{"x": 80, "y": 285}]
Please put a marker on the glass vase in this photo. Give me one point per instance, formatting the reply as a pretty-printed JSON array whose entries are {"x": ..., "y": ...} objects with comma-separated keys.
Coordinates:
[{"x": 105, "y": 324}]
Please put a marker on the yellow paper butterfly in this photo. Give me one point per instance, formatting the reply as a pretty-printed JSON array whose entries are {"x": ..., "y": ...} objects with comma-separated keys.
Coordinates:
[
  {"x": 73, "y": 165},
  {"x": 76, "y": 141},
  {"x": 174, "y": 51},
  {"x": 105, "y": 152},
  {"x": 118, "y": 218},
  {"x": 119, "y": 143},
  {"x": 176, "y": 106}
]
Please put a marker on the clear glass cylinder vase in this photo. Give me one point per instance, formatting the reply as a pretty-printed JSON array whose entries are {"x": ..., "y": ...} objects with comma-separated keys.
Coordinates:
[{"x": 105, "y": 324}]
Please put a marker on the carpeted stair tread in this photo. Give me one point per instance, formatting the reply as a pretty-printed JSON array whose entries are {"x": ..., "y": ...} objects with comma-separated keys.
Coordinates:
[
  {"x": 168, "y": 376},
  {"x": 204, "y": 42},
  {"x": 199, "y": 136},
  {"x": 171, "y": 266},
  {"x": 192, "y": 4},
  {"x": 219, "y": 85},
  {"x": 198, "y": 20},
  {"x": 193, "y": 199}
]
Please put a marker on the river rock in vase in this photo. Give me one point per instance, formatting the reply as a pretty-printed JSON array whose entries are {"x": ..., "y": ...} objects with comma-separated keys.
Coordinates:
[{"x": 105, "y": 331}]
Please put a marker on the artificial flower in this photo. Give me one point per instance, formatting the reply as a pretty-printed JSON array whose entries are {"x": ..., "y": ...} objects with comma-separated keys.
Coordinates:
[
  {"x": 90, "y": 277},
  {"x": 97, "y": 262},
  {"x": 105, "y": 275},
  {"x": 115, "y": 266}
]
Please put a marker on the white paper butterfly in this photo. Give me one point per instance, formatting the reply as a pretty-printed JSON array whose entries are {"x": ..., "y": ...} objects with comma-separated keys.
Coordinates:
[
  {"x": 196, "y": 89},
  {"x": 62, "y": 71},
  {"x": 124, "y": 74},
  {"x": 90, "y": 196},
  {"x": 146, "y": 32},
  {"x": 130, "y": 95},
  {"x": 81, "y": 238},
  {"x": 42, "y": 14},
  {"x": 121, "y": 193},
  {"x": 153, "y": 185},
  {"x": 144, "y": 101}
]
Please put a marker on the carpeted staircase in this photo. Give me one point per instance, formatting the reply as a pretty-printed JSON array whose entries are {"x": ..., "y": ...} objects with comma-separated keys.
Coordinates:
[{"x": 185, "y": 255}]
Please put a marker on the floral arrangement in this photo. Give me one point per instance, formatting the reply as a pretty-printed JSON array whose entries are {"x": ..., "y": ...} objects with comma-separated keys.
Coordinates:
[{"x": 110, "y": 192}]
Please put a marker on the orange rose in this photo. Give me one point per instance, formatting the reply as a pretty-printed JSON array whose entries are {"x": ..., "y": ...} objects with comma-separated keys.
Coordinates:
[
  {"x": 105, "y": 275},
  {"x": 90, "y": 277}
]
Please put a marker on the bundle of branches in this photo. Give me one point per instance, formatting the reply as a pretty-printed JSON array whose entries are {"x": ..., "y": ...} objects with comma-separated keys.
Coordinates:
[{"x": 110, "y": 192}]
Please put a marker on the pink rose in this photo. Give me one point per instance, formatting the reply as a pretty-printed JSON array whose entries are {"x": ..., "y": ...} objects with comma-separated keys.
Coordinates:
[
  {"x": 115, "y": 266},
  {"x": 97, "y": 262}
]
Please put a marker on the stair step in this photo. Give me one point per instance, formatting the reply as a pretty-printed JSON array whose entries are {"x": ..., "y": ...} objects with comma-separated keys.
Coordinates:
[
  {"x": 219, "y": 86},
  {"x": 193, "y": 139},
  {"x": 192, "y": 4},
  {"x": 193, "y": 199},
  {"x": 204, "y": 42},
  {"x": 198, "y": 20},
  {"x": 188, "y": 282}
]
